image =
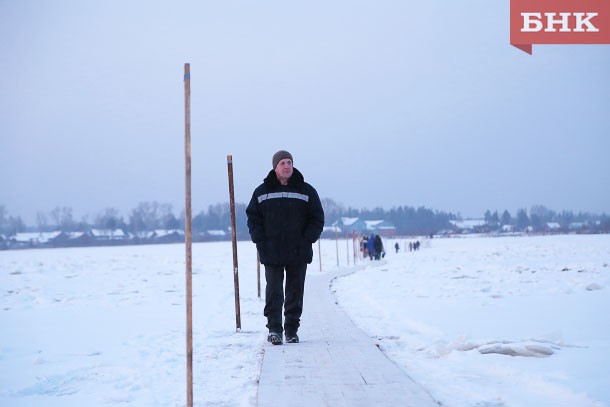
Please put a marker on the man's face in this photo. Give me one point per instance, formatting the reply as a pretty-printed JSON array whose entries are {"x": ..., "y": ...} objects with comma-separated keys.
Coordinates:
[{"x": 283, "y": 169}]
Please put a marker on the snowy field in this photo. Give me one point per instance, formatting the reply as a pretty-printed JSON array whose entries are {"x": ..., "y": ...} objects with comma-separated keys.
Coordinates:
[
  {"x": 486, "y": 322},
  {"x": 511, "y": 321}
]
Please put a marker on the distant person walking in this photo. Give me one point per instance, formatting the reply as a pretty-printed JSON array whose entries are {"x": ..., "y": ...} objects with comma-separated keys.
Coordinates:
[
  {"x": 285, "y": 217},
  {"x": 371, "y": 244},
  {"x": 378, "y": 246},
  {"x": 397, "y": 247}
]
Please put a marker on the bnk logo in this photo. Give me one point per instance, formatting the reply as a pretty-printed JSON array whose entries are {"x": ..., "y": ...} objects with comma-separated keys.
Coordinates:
[{"x": 559, "y": 22}]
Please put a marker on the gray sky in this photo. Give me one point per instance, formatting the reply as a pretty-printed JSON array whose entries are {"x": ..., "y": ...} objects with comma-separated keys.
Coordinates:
[{"x": 381, "y": 103}]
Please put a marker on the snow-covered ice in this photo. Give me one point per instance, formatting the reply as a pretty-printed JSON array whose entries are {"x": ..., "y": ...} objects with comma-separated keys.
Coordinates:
[
  {"x": 510, "y": 321},
  {"x": 103, "y": 326},
  {"x": 503, "y": 321}
]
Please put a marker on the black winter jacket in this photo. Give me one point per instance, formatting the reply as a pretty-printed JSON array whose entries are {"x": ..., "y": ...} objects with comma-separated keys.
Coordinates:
[{"x": 285, "y": 220}]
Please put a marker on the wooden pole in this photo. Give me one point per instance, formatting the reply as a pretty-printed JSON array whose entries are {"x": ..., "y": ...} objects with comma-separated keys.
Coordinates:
[
  {"x": 234, "y": 238},
  {"x": 337, "y": 243},
  {"x": 258, "y": 273},
  {"x": 188, "y": 236},
  {"x": 320, "y": 253},
  {"x": 354, "y": 245},
  {"x": 347, "y": 245}
]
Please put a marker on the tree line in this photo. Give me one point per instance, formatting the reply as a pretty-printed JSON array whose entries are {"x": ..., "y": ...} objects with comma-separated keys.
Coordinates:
[
  {"x": 149, "y": 216},
  {"x": 542, "y": 219}
]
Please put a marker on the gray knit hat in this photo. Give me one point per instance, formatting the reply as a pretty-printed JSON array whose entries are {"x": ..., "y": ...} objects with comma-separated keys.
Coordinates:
[{"x": 279, "y": 156}]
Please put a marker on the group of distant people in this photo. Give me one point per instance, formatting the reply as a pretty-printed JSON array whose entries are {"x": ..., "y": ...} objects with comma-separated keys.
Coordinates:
[{"x": 372, "y": 246}]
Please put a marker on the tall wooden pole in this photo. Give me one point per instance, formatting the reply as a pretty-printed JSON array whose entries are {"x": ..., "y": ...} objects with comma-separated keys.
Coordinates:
[
  {"x": 234, "y": 239},
  {"x": 188, "y": 236}
]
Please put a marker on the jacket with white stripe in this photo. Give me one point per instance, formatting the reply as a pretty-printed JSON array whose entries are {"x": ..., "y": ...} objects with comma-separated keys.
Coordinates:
[{"x": 285, "y": 220}]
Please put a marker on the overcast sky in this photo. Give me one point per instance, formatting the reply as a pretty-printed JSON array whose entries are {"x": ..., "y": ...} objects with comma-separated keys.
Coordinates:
[{"x": 381, "y": 103}]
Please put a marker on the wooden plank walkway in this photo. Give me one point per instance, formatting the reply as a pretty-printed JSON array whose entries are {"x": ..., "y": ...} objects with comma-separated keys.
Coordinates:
[{"x": 335, "y": 364}]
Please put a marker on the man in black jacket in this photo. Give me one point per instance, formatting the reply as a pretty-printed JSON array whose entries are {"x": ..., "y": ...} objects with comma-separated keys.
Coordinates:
[{"x": 285, "y": 217}]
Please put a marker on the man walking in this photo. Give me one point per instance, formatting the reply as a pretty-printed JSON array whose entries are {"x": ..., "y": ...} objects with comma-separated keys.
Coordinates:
[{"x": 285, "y": 217}]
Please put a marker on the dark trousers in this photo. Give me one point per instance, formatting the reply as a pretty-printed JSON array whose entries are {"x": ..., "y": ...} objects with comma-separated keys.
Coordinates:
[{"x": 292, "y": 301}]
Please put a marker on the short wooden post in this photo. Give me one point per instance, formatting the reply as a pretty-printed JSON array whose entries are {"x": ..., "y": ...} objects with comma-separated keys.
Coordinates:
[
  {"x": 258, "y": 273},
  {"x": 337, "y": 243},
  {"x": 354, "y": 245},
  {"x": 347, "y": 245},
  {"x": 320, "y": 253}
]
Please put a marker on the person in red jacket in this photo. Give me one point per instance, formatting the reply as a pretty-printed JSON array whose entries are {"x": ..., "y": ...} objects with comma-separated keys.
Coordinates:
[{"x": 285, "y": 217}]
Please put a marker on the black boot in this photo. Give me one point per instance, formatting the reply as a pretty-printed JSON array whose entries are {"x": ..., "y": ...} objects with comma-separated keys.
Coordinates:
[
  {"x": 291, "y": 337},
  {"x": 274, "y": 338}
]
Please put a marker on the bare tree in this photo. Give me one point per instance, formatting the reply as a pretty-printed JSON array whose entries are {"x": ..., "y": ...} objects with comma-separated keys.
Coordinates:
[
  {"x": 42, "y": 221},
  {"x": 3, "y": 217},
  {"x": 62, "y": 216},
  {"x": 150, "y": 216},
  {"x": 109, "y": 218}
]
